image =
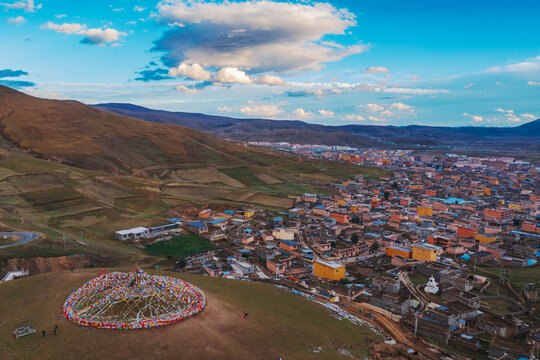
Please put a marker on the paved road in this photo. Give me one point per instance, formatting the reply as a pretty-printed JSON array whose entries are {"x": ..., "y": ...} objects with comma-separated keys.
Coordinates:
[{"x": 25, "y": 237}]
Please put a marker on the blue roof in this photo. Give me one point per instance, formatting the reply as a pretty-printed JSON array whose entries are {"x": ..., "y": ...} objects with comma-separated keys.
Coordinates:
[
  {"x": 289, "y": 242},
  {"x": 216, "y": 221},
  {"x": 198, "y": 224},
  {"x": 278, "y": 218},
  {"x": 319, "y": 207},
  {"x": 173, "y": 220}
]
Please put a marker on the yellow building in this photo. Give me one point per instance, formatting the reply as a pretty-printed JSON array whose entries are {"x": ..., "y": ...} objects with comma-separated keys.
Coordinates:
[
  {"x": 340, "y": 202},
  {"x": 425, "y": 252},
  {"x": 249, "y": 213},
  {"x": 484, "y": 239},
  {"x": 394, "y": 250},
  {"x": 424, "y": 211},
  {"x": 516, "y": 207},
  {"x": 328, "y": 270},
  {"x": 487, "y": 191}
]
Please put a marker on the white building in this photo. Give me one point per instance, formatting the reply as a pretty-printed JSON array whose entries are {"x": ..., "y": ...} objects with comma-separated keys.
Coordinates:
[{"x": 134, "y": 233}]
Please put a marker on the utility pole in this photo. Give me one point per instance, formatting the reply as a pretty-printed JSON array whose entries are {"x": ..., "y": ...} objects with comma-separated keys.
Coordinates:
[
  {"x": 415, "y": 323},
  {"x": 64, "y": 239}
]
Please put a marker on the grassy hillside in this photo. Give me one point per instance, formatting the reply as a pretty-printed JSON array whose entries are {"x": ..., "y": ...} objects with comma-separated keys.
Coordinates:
[
  {"x": 279, "y": 324},
  {"x": 90, "y": 138}
]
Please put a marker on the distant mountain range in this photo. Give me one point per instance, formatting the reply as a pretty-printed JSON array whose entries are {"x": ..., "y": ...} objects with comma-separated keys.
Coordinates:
[{"x": 523, "y": 137}]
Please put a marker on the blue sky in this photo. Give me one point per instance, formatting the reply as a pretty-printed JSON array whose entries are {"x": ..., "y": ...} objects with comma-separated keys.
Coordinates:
[{"x": 364, "y": 62}]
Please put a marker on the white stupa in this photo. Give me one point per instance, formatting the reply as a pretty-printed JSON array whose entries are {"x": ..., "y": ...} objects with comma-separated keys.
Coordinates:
[{"x": 431, "y": 287}]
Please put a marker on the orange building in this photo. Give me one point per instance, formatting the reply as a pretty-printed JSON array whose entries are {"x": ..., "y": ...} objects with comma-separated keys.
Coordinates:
[
  {"x": 395, "y": 217},
  {"x": 424, "y": 211},
  {"x": 498, "y": 214},
  {"x": 466, "y": 231},
  {"x": 375, "y": 203},
  {"x": 431, "y": 193},
  {"x": 340, "y": 218},
  {"x": 530, "y": 227}
]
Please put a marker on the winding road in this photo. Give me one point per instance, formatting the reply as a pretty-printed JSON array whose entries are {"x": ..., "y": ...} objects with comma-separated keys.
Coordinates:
[{"x": 25, "y": 237}]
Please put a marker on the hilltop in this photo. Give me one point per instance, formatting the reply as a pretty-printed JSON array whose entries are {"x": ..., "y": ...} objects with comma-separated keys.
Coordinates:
[
  {"x": 525, "y": 136},
  {"x": 279, "y": 324}
]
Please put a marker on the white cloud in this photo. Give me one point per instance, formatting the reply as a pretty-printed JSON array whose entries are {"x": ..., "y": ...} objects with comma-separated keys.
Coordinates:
[
  {"x": 529, "y": 65},
  {"x": 258, "y": 35},
  {"x": 377, "y": 119},
  {"x": 534, "y": 83},
  {"x": 94, "y": 36},
  {"x": 270, "y": 80},
  {"x": 387, "y": 113},
  {"x": 192, "y": 71},
  {"x": 401, "y": 106},
  {"x": 138, "y": 8},
  {"x": 254, "y": 109},
  {"x": 301, "y": 113},
  {"x": 19, "y": 20},
  {"x": 27, "y": 5},
  {"x": 186, "y": 90},
  {"x": 327, "y": 113},
  {"x": 474, "y": 118},
  {"x": 512, "y": 117},
  {"x": 504, "y": 111},
  {"x": 469, "y": 85},
  {"x": 117, "y": 10},
  {"x": 528, "y": 116},
  {"x": 372, "y": 107},
  {"x": 224, "y": 75},
  {"x": 352, "y": 117},
  {"x": 376, "y": 69},
  {"x": 224, "y": 109},
  {"x": 232, "y": 75},
  {"x": 60, "y": 16}
]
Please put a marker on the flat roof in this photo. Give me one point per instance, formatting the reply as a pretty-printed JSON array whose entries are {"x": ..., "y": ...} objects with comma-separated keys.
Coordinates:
[
  {"x": 132, "y": 230},
  {"x": 332, "y": 264}
]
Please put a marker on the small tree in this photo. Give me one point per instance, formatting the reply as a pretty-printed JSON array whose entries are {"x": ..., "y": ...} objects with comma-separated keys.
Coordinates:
[
  {"x": 344, "y": 281},
  {"x": 181, "y": 263},
  {"x": 355, "y": 220},
  {"x": 354, "y": 238},
  {"x": 375, "y": 246},
  {"x": 386, "y": 195}
]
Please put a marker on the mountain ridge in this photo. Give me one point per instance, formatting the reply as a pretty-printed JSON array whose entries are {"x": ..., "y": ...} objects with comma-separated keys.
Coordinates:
[{"x": 296, "y": 131}]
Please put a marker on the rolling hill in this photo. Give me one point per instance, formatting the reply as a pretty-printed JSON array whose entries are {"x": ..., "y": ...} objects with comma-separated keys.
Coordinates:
[
  {"x": 526, "y": 136},
  {"x": 90, "y": 138}
]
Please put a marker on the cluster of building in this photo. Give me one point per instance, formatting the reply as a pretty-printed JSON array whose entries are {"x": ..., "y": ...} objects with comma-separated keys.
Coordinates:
[{"x": 434, "y": 218}]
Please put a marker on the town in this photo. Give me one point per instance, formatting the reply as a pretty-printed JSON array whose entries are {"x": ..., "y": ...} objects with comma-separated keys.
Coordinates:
[{"x": 448, "y": 247}]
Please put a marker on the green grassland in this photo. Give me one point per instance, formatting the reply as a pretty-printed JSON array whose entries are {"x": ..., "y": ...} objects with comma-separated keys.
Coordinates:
[
  {"x": 181, "y": 246},
  {"x": 58, "y": 200},
  {"x": 518, "y": 277},
  {"x": 279, "y": 324}
]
